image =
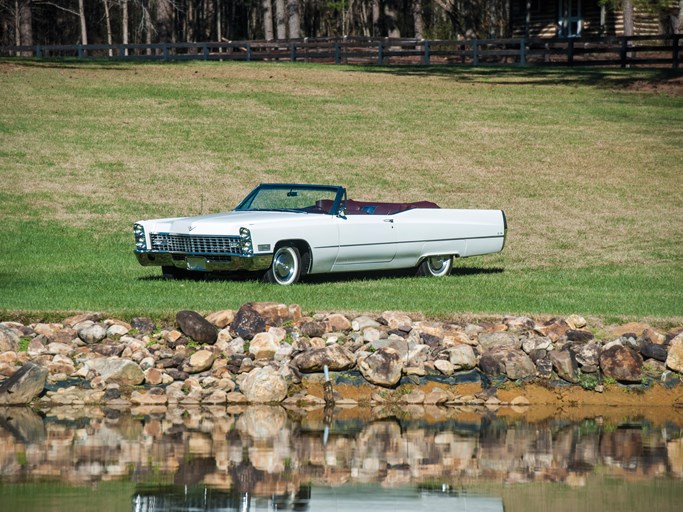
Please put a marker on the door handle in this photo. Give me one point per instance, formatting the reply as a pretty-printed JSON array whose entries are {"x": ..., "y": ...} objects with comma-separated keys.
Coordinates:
[{"x": 389, "y": 220}]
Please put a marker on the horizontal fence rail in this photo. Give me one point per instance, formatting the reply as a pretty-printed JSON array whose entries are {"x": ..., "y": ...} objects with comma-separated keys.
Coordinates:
[{"x": 632, "y": 51}]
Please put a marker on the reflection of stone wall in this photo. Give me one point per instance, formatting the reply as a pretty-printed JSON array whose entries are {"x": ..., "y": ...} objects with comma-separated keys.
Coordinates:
[{"x": 264, "y": 451}]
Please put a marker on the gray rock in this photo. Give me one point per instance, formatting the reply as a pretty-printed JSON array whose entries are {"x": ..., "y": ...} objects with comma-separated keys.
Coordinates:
[
  {"x": 565, "y": 365},
  {"x": 653, "y": 351},
  {"x": 9, "y": 341},
  {"x": 579, "y": 335},
  {"x": 24, "y": 385},
  {"x": 621, "y": 363},
  {"x": 531, "y": 343},
  {"x": 492, "y": 340},
  {"x": 382, "y": 368},
  {"x": 143, "y": 325},
  {"x": 93, "y": 333},
  {"x": 335, "y": 357},
  {"x": 120, "y": 371},
  {"x": 462, "y": 357},
  {"x": 312, "y": 329},
  {"x": 363, "y": 322},
  {"x": 587, "y": 354},
  {"x": 248, "y": 322},
  {"x": 445, "y": 367},
  {"x": 399, "y": 344},
  {"x": 504, "y": 361},
  {"x": 195, "y": 326},
  {"x": 264, "y": 385},
  {"x": 544, "y": 367}
]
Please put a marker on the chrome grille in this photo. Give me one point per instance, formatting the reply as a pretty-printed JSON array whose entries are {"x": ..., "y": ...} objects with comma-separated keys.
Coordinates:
[{"x": 190, "y": 244}]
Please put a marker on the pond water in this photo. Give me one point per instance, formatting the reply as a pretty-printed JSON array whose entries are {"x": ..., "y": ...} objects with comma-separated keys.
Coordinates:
[{"x": 410, "y": 458}]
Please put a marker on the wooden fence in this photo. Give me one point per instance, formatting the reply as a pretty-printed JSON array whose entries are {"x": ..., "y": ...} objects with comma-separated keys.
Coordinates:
[{"x": 634, "y": 51}]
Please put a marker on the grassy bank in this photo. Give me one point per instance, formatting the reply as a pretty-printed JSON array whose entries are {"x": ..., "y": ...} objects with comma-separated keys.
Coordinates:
[{"x": 587, "y": 165}]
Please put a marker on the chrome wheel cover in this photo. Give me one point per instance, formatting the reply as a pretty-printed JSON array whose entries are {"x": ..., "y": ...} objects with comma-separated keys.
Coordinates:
[
  {"x": 284, "y": 265},
  {"x": 439, "y": 265}
]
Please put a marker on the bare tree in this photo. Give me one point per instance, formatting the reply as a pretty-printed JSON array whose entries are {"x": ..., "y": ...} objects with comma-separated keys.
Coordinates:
[
  {"x": 24, "y": 18},
  {"x": 627, "y": 6},
  {"x": 81, "y": 15},
  {"x": 418, "y": 20},
  {"x": 124, "y": 23},
  {"x": 280, "y": 19},
  {"x": 679, "y": 20},
  {"x": 294, "y": 19},
  {"x": 268, "y": 20},
  {"x": 164, "y": 21},
  {"x": 107, "y": 19}
]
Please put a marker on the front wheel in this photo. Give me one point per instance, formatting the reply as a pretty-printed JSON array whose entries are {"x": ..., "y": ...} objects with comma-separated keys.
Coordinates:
[
  {"x": 436, "y": 266},
  {"x": 286, "y": 266}
]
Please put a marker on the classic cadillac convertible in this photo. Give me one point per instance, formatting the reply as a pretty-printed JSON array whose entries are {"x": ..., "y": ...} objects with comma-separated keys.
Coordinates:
[{"x": 292, "y": 230}]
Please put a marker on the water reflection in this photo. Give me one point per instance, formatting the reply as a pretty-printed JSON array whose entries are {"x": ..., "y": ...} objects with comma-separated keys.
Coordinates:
[{"x": 269, "y": 458}]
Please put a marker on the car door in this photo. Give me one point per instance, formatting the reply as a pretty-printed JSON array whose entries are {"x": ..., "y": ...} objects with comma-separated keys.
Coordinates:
[{"x": 365, "y": 241}]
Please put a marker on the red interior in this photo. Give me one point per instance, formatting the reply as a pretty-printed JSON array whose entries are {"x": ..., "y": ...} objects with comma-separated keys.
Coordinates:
[{"x": 375, "y": 208}]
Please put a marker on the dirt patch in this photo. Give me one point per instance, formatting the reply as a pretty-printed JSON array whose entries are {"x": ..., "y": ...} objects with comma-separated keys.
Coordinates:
[
  {"x": 545, "y": 400},
  {"x": 672, "y": 86}
]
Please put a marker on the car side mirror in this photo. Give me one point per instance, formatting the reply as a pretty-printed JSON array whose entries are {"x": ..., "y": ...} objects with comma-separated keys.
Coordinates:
[{"x": 342, "y": 211}]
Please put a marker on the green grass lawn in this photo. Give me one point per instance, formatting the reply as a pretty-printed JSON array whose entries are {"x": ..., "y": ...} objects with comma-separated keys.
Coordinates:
[{"x": 586, "y": 165}]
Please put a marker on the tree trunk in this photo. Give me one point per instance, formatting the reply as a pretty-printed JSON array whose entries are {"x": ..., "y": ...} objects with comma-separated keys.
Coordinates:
[
  {"x": 81, "y": 14},
  {"x": 376, "y": 13},
  {"x": 679, "y": 20},
  {"x": 418, "y": 21},
  {"x": 124, "y": 23},
  {"x": 25, "y": 19},
  {"x": 107, "y": 20},
  {"x": 148, "y": 26},
  {"x": 627, "y": 6},
  {"x": 164, "y": 21},
  {"x": 280, "y": 19},
  {"x": 219, "y": 28},
  {"x": 267, "y": 20},
  {"x": 294, "y": 20}
]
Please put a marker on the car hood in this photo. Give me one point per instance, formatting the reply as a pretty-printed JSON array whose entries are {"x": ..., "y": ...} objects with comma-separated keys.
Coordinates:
[{"x": 228, "y": 223}]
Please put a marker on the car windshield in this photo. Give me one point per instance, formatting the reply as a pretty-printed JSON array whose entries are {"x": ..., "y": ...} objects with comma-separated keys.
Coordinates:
[{"x": 294, "y": 198}]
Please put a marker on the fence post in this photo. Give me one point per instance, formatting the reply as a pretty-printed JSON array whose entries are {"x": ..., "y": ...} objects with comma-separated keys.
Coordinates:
[
  {"x": 165, "y": 51},
  {"x": 337, "y": 53},
  {"x": 570, "y": 52},
  {"x": 205, "y": 51},
  {"x": 248, "y": 52},
  {"x": 380, "y": 52},
  {"x": 475, "y": 52},
  {"x": 292, "y": 51},
  {"x": 622, "y": 53},
  {"x": 38, "y": 51},
  {"x": 81, "y": 53},
  {"x": 676, "y": 55},
  {"x": 522, "y": 52},
  {"x": 425, "y": 58}
]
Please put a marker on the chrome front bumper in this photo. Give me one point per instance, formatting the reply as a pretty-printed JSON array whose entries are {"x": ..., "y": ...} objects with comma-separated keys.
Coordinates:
[{"x": 204, "y": 263}]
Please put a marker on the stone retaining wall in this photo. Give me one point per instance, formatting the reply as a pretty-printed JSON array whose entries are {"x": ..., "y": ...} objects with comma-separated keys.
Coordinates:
[{"x": 267, "y": 352}]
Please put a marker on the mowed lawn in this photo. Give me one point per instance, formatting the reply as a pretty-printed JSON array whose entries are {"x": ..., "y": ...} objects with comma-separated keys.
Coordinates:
[{"x": 587, "y": 164}]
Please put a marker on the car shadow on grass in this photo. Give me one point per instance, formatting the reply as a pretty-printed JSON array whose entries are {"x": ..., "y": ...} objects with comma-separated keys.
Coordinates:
[{"x": 329, "y": 278}]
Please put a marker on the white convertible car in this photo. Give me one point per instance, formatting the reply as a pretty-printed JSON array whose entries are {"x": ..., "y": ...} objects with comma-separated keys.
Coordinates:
[{"x": 293, "y": 230}]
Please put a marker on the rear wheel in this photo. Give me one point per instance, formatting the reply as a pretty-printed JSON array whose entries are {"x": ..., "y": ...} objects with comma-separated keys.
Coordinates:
[
  {"x": 436, "y": 266},
  {"x": 286, "y": 266}
]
